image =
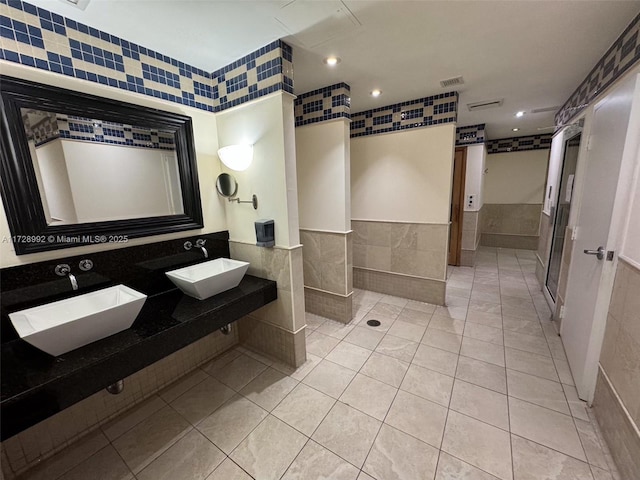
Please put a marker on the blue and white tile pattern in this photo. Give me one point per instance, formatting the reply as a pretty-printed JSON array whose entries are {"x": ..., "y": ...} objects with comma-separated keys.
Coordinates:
[
  {"x": 323, "y": 104},
  {"x": 519, "y": 144},
  {"x": 470, "y": 135},
  {"x": 422, "y": 112}
]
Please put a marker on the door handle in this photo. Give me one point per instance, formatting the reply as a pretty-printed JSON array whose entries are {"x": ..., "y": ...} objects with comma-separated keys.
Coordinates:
[{"x": 599, "y": 253}]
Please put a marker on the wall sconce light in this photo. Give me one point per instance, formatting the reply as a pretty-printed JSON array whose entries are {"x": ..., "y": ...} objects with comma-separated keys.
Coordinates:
[{"x": 236, "y": 157}]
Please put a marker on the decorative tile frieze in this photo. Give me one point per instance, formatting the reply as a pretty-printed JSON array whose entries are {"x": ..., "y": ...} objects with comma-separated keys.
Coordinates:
[
  {"x": 260, "y": 73},
  {"x": 38, "y": 38},
  {"x": 519, "y": 144},
  {"x": 422, "y": 112},
  {"x": 323, "y": 104},
  {"x": 470, "y": 135},
  {"x": 621, "y": 56}
]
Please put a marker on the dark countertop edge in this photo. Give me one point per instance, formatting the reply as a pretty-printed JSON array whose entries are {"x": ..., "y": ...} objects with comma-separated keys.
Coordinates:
[{"x": 53, "y": 396}]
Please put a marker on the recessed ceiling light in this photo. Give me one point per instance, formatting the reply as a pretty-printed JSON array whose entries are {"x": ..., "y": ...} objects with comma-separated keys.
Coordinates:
[
  {"x": 332, "y": 61},
  {"x": 515, "y": 129},
  {"x": 376, "y": 93},
  {"x": 519, "y": 114}
]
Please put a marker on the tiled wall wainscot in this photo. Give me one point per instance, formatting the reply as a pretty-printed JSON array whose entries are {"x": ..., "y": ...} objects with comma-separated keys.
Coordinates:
[
  {"x": 323, "y": 104},
  {"x": 623, "y": 54},
  {"x": 511, "y": 225},
  {"x": 419, "y": 113},
  {"x": 404, "y": 259},
  {"x": 471, "y": 223},
  {"x": 38, "y": 38},
  {"x": 519, "y": 144},
  {"x": 328, "y": 273},
  {"x": 277, "y": 329},
  {"x": 470, "y": 135},
  {"x": 28, "y": 448},
  {"x": 617, "y": 399}
]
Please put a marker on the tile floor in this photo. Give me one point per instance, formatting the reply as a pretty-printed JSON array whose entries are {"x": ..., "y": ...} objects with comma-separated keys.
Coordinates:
[{"x": 478, "y": 390}]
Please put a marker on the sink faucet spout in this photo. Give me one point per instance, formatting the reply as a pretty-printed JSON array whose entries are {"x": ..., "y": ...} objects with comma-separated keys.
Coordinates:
[
  {"x": 204, "y": 251},
  {"x": 74, "y": 282}
]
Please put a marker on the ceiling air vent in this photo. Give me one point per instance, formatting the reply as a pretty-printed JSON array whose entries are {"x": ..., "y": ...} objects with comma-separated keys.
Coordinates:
[
  {"x": 545, "y": 109},
  {"x": 484, "y": 105},
  {"x": 450, "y": 82}
]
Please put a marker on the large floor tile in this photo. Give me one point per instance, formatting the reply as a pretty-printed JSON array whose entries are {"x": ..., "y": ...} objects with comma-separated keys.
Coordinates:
[
  {"x": 397, "y": 348},
  {"x": 193, "y": 457},
  {"x": 547, "y": 427},
  {"x": 335, "y": 329},
  {"x": 529, "y": 327},
  {"x": 134, "y": 416},
  {"x": 106, "y": 464},
  {"x": 348, "y": 355},
  {"x": 398, "y": 456},
  {"x": 185, "y": 383},
  {"x": 591, "y": 444},
  {"x": 365, "y": 337},
  {"x": 316, "y": 462},
  {"x": 452, "y": 468},
  {"x": 370, "y": 396},
  {"x": 532, "y": 461},
  {"x": 484, "y": 318},
  {"x": 459, "y": 313},
  {"x": 436, "y": 359},
  {"x": 480, "y": 403},
  {"x": 239, "y": 371},
  {"x": 320, "y": 344},
  {"x": 387, "y": 369},
  {"x": 428, "y": 384},
  {"x": 304, "y": 408},
  {"x": 423, "y": 307},
  {"x": 149, "y": 439},
  {"x": 408, "y": 331},
  {"x": 269, "y": 388},
  {"x": 484, "y": 333},
  {"x": 528, "y": 343},
  {"x": 531, "y": 363},
  {"x": 447, "y": 324},
  {"x": 329, "y": 378},
  {"x": 418, "y": 417},
  {"x": 442, "y": 340},
  {"x": 269, "y": 450},
  {"x": 417, "y": 317},
  {"x": 543, "y": 392},
  {"x": 483, "y": 374},
  {"x": 300, "y": 372},
  {"x": 348, "y": 433},
  {"x": 484, "y": 351},
  {"x": 228, "y": 470},
  {"x": 479, "y": 444},
  {"x": 231, "y": 423},
  {"x": 202, "y": 400}
]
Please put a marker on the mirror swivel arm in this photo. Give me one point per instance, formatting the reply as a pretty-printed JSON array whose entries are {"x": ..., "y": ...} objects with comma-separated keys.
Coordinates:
[{"x": 253, "y": 201}]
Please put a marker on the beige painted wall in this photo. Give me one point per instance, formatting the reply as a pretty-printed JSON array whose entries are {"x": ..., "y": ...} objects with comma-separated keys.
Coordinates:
[
  {"x": 267, "y": 124},
  {"x": 323, "y": 166},
  {"x": 516, "y": 177},
  {"x": 206, "y": 146},
  {"x": 403, "y": 176}
]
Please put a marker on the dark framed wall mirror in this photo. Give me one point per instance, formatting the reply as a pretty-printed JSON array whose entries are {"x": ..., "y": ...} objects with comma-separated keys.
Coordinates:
[{"x": 79, "y": 169}]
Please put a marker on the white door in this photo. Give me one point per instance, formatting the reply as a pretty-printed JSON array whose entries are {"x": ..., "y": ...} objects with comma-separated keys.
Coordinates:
[{"x": 591, "y": 279}]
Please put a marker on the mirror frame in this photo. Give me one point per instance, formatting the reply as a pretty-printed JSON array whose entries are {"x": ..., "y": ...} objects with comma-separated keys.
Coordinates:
[{"x": 19, "y": 186}]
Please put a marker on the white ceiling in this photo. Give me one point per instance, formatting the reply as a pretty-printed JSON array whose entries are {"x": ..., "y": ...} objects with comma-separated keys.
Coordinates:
[{"x": 531, "y": 53}]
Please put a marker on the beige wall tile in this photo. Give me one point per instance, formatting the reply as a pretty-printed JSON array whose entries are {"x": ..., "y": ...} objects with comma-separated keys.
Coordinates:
[{"x": 514, "y": 219}]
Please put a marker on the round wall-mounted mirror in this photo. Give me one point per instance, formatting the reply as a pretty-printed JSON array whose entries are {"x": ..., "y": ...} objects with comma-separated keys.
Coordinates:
[{"x": 226, "y": 185}]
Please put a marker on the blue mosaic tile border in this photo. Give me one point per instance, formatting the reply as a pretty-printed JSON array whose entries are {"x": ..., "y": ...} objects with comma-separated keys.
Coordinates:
[
  {"x": 621, "y": 56},
  {"x": 38, "y": 38},
  {"x": 422, "y": 112},
  {"x": 519, "y": 144},
  {"x": 323, "y": 104},
  {"x": 260, "y": 73},
  {"x": 470, "y": 135}
]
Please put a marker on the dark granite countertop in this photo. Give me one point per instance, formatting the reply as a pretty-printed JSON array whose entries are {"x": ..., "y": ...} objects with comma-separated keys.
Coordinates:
[{"x": 36, "y": 385}]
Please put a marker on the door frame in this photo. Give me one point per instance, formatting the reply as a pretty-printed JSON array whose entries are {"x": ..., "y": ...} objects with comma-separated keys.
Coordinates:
[{"x": 458, "y": 180}]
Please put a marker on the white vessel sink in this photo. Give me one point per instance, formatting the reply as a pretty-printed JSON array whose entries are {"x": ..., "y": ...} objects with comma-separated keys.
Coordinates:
[
  {"x": 209, "y": 278},
  {"x": 65, "y": 325}
]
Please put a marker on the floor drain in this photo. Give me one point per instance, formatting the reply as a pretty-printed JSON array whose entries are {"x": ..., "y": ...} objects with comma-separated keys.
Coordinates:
[{"x": 373, "y": 323}]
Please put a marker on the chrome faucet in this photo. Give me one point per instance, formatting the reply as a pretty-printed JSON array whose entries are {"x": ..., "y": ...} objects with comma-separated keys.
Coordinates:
[
  {"x": 63, "y": 270},
  {"x": 200, "y": 244}
]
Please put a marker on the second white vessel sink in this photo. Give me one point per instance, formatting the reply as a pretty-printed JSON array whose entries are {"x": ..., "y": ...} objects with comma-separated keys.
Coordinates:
[
  {"x": 65, "y": 325},
  {"x": 209, "y": 278}
]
